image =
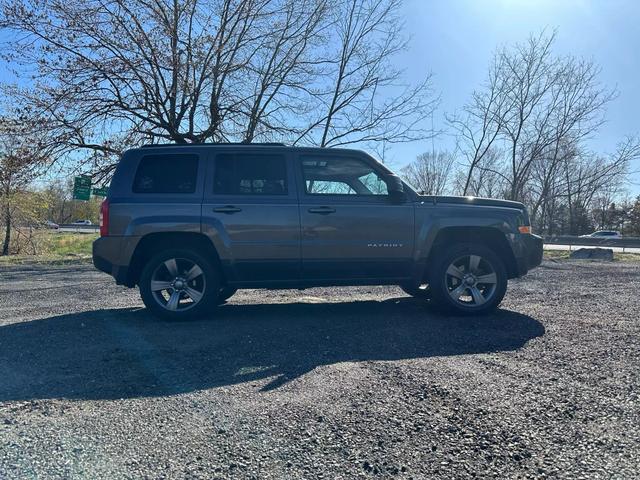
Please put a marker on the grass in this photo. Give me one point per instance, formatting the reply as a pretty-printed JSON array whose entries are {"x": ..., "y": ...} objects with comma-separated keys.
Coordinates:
[
  {"x": 57, "y": 248},
  {"x": 63, "y": 244},
  {"x": 617, "y": 256}
]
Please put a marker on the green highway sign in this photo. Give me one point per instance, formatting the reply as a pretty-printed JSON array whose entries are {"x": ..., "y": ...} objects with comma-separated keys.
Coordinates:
[
  {"x": 100, "y": 192},
  {"x": 82, "y": 187}
]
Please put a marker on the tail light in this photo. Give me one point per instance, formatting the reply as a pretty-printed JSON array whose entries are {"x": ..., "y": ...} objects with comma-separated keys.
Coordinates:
[{"x": 104, "y": 218}]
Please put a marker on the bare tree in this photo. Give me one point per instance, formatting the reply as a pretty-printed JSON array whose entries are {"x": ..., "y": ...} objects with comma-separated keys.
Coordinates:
[
  {"x": 587, "y": 177},
  {"x": 138, "y": 70},
  {"x": 547, "y": 182},
  {"x": 634, "y": 218},
  {"x": 209, "y": 70},
  {"x": 523, "y": 135},
  {"x": 486, "y": 179},
  {"x": 530, "y": 72},
  {"x": 361, "y": 96},
  {"x": 283, "y": 66},
  {"x": 19, "y": 160},
  {"x": 535, "y": 105},
  {"x": 479, "y": 125},
  {"x": 430, "y": 172}
]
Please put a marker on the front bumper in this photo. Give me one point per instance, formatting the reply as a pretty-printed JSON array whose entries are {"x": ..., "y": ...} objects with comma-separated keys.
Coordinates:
[
  {"x": 106, "y": 252},
  {"x": 529, "y": 252}
]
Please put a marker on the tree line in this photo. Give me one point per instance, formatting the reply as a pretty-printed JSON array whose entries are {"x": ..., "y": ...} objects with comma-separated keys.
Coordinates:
[
  {"x": 524, "y": 135},
  {"x": 99, "y": 76}
]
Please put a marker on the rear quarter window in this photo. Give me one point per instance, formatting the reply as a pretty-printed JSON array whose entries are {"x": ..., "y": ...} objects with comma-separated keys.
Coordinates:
[{"x": 175, "y": 173}]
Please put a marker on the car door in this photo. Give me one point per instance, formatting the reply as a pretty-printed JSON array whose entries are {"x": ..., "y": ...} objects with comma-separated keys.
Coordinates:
[
  {"x": 350, "y": 227},
  {"x": 250, "y": 209}
]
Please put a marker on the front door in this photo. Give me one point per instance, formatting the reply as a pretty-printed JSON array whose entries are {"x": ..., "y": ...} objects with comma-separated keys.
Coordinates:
[
  {"x": 250, "y": 207},
  {"x": 351, "y": 230}
]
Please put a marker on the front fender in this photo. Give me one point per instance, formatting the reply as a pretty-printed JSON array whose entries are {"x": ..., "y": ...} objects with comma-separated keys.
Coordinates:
[
  {"x": 428, "y": 231},
  {"x": 433, "y": 220}
]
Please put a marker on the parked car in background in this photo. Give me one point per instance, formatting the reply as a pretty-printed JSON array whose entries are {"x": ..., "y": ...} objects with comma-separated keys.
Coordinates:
[
  {"x": 82, "y": 222},
  {"x": 51, "y": 225},
  {"x": 603, "y": 234},
  {"x": 190, "y": 224}
]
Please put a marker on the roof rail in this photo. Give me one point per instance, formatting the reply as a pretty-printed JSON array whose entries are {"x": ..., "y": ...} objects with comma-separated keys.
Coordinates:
[{"x": 215, "y": 144}]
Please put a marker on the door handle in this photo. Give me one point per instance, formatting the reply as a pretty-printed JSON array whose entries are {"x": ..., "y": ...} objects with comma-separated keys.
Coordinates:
[
  {"x": 322, "y": 210},
  {"x": 229, "y": 209}
]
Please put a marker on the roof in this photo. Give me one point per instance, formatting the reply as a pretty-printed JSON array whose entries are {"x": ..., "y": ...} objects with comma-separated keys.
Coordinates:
[
  {"x": 240, "y": 146},
  {"x": 218, "y": 144}
]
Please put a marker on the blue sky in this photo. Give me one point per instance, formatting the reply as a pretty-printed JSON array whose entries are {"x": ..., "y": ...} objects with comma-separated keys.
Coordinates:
[{"x": 455, "y": 40}]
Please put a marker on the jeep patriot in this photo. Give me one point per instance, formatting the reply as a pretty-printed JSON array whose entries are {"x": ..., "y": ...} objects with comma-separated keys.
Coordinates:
[{"x": 191, "y": 224}]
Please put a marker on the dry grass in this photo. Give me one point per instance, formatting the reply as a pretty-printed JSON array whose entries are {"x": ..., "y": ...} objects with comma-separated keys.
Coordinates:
[{"x": 56, "y": 248}]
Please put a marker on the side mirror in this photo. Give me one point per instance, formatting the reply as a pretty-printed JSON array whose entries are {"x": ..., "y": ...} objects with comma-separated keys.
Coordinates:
[{"x": 395, "y": 188}]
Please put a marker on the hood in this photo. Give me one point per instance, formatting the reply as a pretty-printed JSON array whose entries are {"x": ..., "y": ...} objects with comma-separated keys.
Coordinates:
[{"x": 488, "y": 202}]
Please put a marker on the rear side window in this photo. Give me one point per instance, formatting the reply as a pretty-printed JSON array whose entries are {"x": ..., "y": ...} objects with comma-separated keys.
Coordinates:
[
  {"x": 166, "y": 174},
  {"x": 250, "y": 175}
]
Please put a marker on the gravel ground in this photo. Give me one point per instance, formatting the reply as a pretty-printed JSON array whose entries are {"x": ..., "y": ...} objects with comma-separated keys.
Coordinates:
[{"x": 336, "y": 383}]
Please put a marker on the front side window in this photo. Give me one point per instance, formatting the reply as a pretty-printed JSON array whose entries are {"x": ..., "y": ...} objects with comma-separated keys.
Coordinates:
[
  {"x": 248, "y": 174},
  {"x": 329, "y": 187},
  {"x": 341, "y": 176},
  {"x": 175, "y": 173}
]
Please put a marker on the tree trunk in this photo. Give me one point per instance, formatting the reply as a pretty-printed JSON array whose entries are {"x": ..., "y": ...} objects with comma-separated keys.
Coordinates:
[{"x": 7, "y": 233}]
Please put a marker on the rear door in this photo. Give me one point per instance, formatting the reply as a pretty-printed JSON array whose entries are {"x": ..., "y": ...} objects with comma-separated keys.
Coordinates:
[
  {"x": 250, "y": 204},
  {"x": 350, "y": 227}
]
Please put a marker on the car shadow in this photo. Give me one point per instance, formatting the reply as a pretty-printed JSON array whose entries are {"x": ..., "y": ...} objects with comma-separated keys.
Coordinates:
[{"x": 126, "y": 353}]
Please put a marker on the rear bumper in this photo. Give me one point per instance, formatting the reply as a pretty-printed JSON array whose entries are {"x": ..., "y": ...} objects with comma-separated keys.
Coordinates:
[
  {"x": 106, "y": 251},
  {"x": 529, "y": 252}
]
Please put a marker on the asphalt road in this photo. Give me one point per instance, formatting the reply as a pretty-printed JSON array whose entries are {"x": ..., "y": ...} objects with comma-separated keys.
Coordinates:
[
  {"x": 78, "y": 229},
  {"x": 336, "y": 383}
]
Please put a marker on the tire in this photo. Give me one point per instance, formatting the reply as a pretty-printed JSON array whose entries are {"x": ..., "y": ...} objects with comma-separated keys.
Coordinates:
[
  {"x": 191, "y": 284},
  {"x": 468, "y": 279},
  {"x": 225, "y": 294},
  {"x": 421, "y": 292}
]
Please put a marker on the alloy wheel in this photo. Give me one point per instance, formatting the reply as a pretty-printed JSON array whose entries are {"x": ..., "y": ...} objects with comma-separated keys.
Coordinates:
[
  {"x": 471, "y": 280},
  {"x": 178, "y": 284}
]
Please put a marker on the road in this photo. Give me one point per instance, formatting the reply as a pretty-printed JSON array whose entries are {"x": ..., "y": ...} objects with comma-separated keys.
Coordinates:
[
  {"x": 337, "y": 383},
  {"x": 78, "y": 229}
]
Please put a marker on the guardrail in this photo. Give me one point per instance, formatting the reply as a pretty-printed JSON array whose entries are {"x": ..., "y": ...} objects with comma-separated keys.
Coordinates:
[
  {"x": 79, "y": 228},
  {"x": 573, "y": 240}
]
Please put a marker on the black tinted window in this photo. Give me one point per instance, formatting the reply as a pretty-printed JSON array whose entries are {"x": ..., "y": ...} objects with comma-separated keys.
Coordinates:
[
  {"x": 250, "y": 175},
  {"x": 341, "y": 176},
  {"x": 166, "y": 174}
]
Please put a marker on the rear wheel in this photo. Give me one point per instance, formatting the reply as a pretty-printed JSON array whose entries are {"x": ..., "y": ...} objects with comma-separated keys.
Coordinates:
[
  {"x": 179, "y": 284},
  {"x": 468, "y": 279}
]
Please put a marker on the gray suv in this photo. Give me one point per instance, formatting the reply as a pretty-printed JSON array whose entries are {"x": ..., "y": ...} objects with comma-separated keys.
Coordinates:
[{"x": 191, "y": 224}]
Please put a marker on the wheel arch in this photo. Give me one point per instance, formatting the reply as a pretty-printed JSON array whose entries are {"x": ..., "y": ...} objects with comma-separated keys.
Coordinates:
[
  {"x": 489, "y": 237},
  {"x": 152, "y": 243}
]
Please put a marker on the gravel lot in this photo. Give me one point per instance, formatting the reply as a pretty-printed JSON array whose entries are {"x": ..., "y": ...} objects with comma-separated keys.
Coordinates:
[{"x": 337, "y": 383}]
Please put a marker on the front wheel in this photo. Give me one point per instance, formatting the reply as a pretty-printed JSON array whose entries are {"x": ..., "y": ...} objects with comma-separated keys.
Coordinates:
[
  {"x": 179, "y": 284},
  {"x": 468, "y": 279}
]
